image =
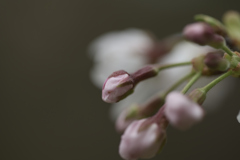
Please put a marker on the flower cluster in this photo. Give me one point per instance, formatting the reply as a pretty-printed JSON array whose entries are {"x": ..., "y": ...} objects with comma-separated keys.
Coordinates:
[{"x": 144, "y": 125}]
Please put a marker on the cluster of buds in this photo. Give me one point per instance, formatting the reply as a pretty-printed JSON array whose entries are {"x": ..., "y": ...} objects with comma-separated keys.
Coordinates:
[
  {"x": 144, "y": 138},
  {"x": 144, "y": 126}
]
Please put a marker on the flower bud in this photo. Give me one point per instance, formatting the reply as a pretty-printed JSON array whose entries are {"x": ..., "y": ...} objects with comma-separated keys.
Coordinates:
[
  {"x": 215, "y": 61},
  {"x": 120, "y": 83},
  {"x": 210, "y": 64},
  {"x": 203, "y": 34},
  {"x": 140, "y": 141},
  {"x": 117, "y": 86},
  {"x": 197, "y": 95},
  {"x": 181, "y": 111}
]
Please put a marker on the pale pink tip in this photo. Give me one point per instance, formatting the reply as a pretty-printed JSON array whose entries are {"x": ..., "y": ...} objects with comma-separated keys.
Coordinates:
[
  {"x": 181, "y": 111},
  {"x": 137, "y": 142},
  {"x": 116, "y": 87},
  {"x": 200, "y": 33}
]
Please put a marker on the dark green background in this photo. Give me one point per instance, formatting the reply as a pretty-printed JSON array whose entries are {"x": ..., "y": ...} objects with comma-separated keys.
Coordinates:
[{"x": 49, "y": 110}]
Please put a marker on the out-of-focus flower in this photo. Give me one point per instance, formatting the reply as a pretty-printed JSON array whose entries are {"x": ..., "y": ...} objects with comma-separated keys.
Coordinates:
[
  {"x": 214, "y": 60},
  {"x": 123, "y": 50},
  {"x": 216, "y": 25},
  {"x": 238, "y": 117},
  {"x": 231, "y": 20},
  {"x": 203, "y": 34},
  {"x": 181, "y": 111},
  {"x": 139, "y": 141}
]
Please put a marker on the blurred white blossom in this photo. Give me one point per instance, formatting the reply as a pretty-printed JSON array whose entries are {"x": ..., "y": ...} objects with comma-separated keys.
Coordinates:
[
  {"x": 126, "y": 50},
  {"x": 238, "y": 117},
  {"x": 181, "y": 111}
]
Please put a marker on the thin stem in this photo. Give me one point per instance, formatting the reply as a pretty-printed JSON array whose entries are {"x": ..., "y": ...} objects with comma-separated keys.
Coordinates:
[
  {"x": 216, "y": 81},
  {"x": 153, "y": 105},
  {"x": 191, "y": 82},
  {"x": 227, "y": 50},
  {"x": 180, "y": 81},
  {"x": 161, "y": 67}
]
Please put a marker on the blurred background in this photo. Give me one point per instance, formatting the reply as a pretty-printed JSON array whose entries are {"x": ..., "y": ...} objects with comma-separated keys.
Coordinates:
[{"x": 49, "y": 108}]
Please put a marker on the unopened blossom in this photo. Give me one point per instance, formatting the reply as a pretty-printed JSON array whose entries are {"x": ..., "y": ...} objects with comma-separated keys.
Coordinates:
[
  {"x": 182, "y": 112},
  {"x": 203, "y": 34},
  {"x": 117, "y": 86},
  {"x": 140, "y": 141},
  {"x": 215, "y": 61},
  {"x": 120, "y": 83}
]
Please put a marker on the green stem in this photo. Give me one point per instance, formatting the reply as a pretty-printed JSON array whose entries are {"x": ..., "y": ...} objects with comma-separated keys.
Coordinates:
[
  {"x": 216, "y": 81},
  {"x": 191, "y": 82},
  {"x": 227, "y": 50},
  {"x": 180, "y": 81},
  {"x": 161, "y": 67},
  {"x": 153, "y": 105}
]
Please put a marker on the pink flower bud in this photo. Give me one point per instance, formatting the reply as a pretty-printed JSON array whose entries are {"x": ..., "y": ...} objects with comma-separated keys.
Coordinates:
[
  {"x": 181, "y": 111},
  {"x": 140, "y": 141},
  {"x": 120, "y": 83},
  {"x": 117, "y": 86},
  {"x": 215, "y": 61},
  {"x": 203, "y": 34}
]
